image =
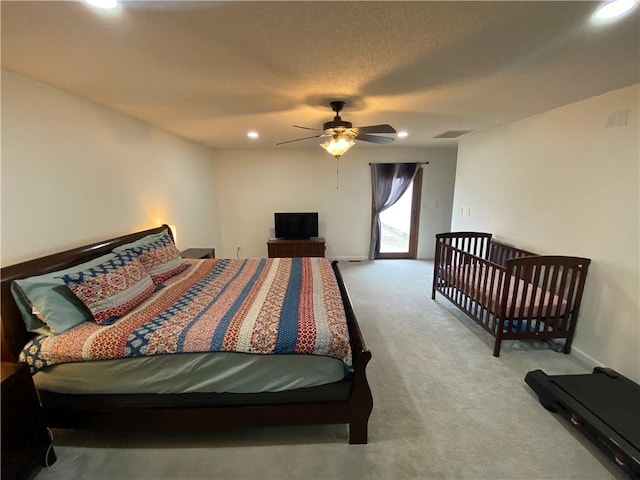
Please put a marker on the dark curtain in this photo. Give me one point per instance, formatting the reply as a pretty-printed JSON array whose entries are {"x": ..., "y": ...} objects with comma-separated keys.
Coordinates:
[{"x": 389, "y": 181}]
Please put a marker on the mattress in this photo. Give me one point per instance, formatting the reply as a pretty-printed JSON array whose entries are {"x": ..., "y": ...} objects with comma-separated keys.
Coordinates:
[
  {"x": 220, "y": 326},
  {"x": 484, "y": 284},
  {"x": 219, "y": 372}
]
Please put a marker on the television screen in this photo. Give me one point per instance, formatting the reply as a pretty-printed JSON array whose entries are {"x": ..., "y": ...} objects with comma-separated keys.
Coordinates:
[{"x": 296, "y": 225}]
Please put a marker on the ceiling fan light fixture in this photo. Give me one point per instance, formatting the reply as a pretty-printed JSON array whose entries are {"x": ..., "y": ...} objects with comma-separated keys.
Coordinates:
[{"x": 339, "y": 144}]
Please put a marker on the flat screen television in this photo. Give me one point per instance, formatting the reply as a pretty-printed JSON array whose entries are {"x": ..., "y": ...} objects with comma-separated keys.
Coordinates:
[{"x": 296, "y": 225}]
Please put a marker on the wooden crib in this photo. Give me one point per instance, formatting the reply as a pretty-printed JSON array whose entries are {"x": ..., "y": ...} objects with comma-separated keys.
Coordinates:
[{"x": 512, "y": 293}]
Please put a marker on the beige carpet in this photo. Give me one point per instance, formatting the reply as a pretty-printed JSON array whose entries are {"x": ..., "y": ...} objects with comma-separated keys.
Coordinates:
[{"x": 444, "y": 408}]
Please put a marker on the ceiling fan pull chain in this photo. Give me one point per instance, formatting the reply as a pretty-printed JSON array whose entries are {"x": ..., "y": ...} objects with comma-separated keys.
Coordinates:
[{"x": 337, "y": 172}]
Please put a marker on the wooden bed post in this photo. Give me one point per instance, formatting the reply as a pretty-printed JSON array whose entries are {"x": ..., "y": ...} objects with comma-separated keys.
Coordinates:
[{"x": 361, "y": 401}]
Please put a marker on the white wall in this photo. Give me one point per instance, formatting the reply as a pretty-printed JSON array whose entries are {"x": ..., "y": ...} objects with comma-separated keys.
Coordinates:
[
  {"x": 252, "y": 185},
  {"x": 438, "y": 182},
  {"x": 74, "y": 172},
  {"x": 562, "y": 183}
]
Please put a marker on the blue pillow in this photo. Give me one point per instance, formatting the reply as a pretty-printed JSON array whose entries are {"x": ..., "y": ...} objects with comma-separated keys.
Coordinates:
[
  {"x": 31, "y": 321},
  {"x": 48, "y": 299}
]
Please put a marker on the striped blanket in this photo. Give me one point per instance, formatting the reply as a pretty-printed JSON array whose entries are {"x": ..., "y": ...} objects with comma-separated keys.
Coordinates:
[{"x": 259, "y": 306}]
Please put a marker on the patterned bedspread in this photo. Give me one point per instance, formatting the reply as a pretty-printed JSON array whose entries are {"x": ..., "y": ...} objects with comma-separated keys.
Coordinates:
[{"x": 259, "y": 306}]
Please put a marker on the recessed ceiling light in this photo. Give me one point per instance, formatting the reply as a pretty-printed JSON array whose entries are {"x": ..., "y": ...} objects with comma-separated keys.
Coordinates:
[
  {"x": 252, "y": 134},
  {"x": 403, "y": 134},
  {"x": 105, "y": 4},
  {"x": 615, "y": 8}
]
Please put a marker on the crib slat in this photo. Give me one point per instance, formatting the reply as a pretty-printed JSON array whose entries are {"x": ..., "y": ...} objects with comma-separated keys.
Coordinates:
[
  {"x": 559, "y": 319},
  {"x": 551, "y": 286},
  {"x": 456, "y": 276},
  {"x": 466, "y": 274},
  {"x": 496, "y": 283},
  {"x": 523, "y": 290},
  {"x": 479, "y": 291},
  {"x": 549, "y": 282},
  {"x": 568, "y": 317},
  {"x": 535, "y": 319}
]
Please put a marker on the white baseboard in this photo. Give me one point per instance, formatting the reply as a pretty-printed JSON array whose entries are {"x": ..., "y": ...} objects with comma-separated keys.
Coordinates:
[{"x": 585, "y": 358}]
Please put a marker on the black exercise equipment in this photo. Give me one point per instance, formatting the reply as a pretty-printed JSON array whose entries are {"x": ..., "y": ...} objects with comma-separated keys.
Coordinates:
[{"x": 603, "y": 405}]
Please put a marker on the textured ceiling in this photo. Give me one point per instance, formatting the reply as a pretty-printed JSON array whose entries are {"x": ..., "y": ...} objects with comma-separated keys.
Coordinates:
[{"x": 211, "y": 71}]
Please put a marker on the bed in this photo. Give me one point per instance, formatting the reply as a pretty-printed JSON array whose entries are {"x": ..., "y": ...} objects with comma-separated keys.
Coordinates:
[
  {"x": 239, "y": 396},
  {"x": 512, "y": 293}
]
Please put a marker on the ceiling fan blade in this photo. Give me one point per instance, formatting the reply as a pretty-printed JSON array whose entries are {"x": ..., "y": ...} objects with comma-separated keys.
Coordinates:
[
  {"x": 373, "y": 138},
  {"x": 298, "y": 139},
  {"x": 377, "y": 129},
  {"x": 308, "y": 128}
]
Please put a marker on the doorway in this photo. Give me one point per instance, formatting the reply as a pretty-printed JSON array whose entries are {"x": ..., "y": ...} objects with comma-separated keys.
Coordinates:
[{"x": 399, "y": 223}]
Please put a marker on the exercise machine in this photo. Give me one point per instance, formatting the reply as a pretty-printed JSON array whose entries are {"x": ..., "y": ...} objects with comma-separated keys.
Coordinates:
[{"x": 603, "y": 405}]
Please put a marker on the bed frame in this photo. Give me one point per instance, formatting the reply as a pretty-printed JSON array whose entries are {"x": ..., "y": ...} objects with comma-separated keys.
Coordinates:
[
  {"x": 469, "y": 266},
  {"x": 348, "y": 401}
]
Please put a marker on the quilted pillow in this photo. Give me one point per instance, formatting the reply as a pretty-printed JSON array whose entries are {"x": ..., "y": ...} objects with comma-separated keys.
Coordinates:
[
  {"x": 113, "y": 288},
  {"x": 158, "y": 254}
]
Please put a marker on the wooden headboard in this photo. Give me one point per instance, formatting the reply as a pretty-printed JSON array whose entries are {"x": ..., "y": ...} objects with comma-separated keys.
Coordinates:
[{"x": 13, "y": 332}]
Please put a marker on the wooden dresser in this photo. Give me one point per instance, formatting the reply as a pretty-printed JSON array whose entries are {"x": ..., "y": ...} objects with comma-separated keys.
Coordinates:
[
  {"x": 305, "y": 247},
  {"x": 199, "y": 253}
]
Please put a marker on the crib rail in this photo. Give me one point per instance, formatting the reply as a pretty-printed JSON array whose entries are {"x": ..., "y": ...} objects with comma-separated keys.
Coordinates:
[
  {"x": 475, "y": 243},
  {"x": 501, "y": 252}
]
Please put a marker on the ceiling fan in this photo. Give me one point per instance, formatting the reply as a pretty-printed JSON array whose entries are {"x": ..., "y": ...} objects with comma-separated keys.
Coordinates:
[{"x": 342, "y": 134}]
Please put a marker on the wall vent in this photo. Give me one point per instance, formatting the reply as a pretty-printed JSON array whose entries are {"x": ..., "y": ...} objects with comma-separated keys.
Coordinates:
[{"x": 453, "y": 133}]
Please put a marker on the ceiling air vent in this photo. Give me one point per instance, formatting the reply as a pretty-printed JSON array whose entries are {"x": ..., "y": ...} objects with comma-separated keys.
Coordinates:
[{"x": 452, "y": 134}]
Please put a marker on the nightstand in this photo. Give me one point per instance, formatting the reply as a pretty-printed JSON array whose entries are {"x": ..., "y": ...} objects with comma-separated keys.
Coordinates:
[
  {"x": 25, "y": 439},
  {"x": 199, "y": 253}
]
